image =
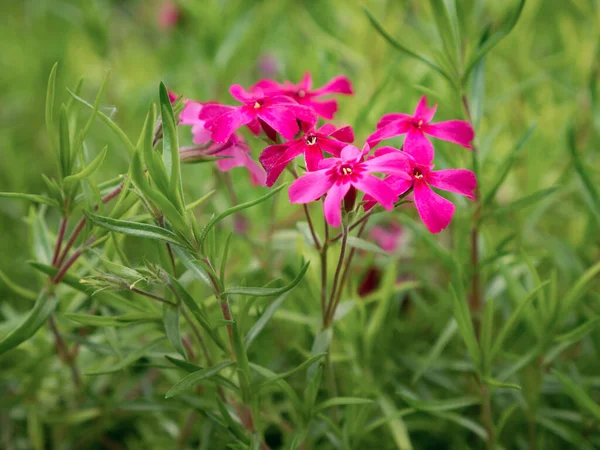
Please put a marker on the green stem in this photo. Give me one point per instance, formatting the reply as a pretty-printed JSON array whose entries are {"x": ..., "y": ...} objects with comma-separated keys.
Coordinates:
[{"x": 328, "y": 313}]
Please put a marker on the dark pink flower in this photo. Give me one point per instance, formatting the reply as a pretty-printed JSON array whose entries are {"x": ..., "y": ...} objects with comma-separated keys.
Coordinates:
[
  {"x": 168, "y": 15},
  {"x": 387, "y": 237},
  {"x": 312, "y": 145},
  {"x": 417, "y": 126},
  {"x": 190, "y": 116},
  {"x": 305, "y": 95},
  {"x": 279, "y": 112},
  {"x": 336, "y": 176},
  {"x": 435, "y": 211}
]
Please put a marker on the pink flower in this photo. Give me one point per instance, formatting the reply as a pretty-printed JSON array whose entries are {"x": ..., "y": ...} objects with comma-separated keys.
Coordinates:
[
  {"x": 168, "y": 15},
  {"x": 277, "y": 111},
  {"x": 305, "y": 95},
  {"x": 435, "y": 211},
  {"x": 336, "y": 176},
  {"x": 236, "y": 153},
  {"x": 314, "y": 142},
  {"x": 388, "y": 238},
  {"x": 190, "y": 116},
  {"x": 417, "y": 126}
]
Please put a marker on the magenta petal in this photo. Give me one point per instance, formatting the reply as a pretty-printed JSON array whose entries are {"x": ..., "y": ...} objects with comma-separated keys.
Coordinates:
[
  {"x": 325, "y": 109},
  {"x": 457, "y": 131},
  {"x": 398, "y": 184},
  {"x": 303, "y": 113},
  {"x": 344, "y": 134},
  {"x": 392, "y": 117},
  {"x": 270, "y": 155},
  {"x": 391, "y": 130},
  {"x": 201, "y": 134},
  {"x": 351, "y": 154},
  {"x": 328, "y": 163},
  {"x": 306, "y": 82},
  {"x": 266, "y": 85},
  {"x": 240, "y": 94},
  {"x": 332, "y": 206},
  {"x": 190, "y": 113},
  {"x": 331, "y": 146},
  {"x": 240, "y": 157},
  {"x": 377, "y": 189},
  {"x": 211, "y": 111},
  {"x": 254, "y": 126},
  {"x": 460, "y": 181},
  {"x": 309, "y": 187},
  {"x": 396, "y": 163},
  {"x": 418, "y": 146},
  {"x": 281, "y": 120},
  {"x": 386, "y": 150},
  {"x": 435, "y": 211},
  {"x": 312, "y": 156},
  {"x": 223, "y": 126},
  {"x": 326, "y": 129},
  {"x": 422, "y": 112},
  {"x": 338, "y": 85}
]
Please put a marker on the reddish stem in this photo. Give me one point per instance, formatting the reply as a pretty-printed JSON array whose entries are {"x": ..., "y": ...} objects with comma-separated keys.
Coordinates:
[
  {"x": 59, "y": 240},
  {"x": 74, "y": 257}
]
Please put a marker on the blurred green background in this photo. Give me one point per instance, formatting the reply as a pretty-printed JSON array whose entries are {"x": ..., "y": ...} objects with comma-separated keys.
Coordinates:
[{"x": 542, "y": 79}]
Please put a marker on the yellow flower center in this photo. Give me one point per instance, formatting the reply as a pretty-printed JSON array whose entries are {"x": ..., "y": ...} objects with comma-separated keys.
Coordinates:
[
  {"x": 256, "y": 105},
  {"x": 420, "y": 123},
  {"x": 346, "y": 170},
  {"x": 311, "y": 139},
  {"x": 417, "y": 174}
]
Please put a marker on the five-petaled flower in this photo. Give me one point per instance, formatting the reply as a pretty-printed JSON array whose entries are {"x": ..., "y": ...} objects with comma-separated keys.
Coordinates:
[
  {"x": 417, "y": 126},
  {"x": 435, "y": 211},
  {"x": 312, "y": 145},
  {"x": 279, "y": 112},
  {"x": 336, "y": 176},
  {"x": 305, "y": 95}
]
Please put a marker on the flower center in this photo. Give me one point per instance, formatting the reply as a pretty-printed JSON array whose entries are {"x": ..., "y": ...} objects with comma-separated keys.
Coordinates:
[
  {"x": 311, "y": 139},
  {"x": 420, "y": 123},
  {"x": 346, "y": 169},
  {"x": 257, "y": 105},
  {"x": 301, "y": 93},
  {"x": 417, "y": 174}
]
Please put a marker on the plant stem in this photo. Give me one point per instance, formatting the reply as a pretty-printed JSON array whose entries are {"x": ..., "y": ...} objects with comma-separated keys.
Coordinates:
[
  {"x": 63, "y": 352},
  {"x": 311, "y": 227},
  {"x": 153, "y": 296},
  {"x": 74, "y": 257},
  {"x": 59, "y": 239},
  {"x": 324, "y": 249},
  {"x": 328, "y": 313},
  {"x": 486, "y": 413}
]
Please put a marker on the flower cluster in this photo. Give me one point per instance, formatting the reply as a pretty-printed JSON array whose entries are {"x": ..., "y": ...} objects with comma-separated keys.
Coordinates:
[{"x": 287, "y": 114}]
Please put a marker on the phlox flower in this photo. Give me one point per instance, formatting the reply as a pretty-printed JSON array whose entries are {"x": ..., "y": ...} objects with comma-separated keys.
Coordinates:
[
  {"x": 190, "y": 116},
  {"x": 279, "y": 112},
  {"x": 312, "y": 145},
  {"x": 435, "y": 211},
  {"x": 235, "y": 153},
  {"x": 417, "y": 126},
  {"x": 336, "y": 176},
  {"x": 305, "y": 95},
  {"x": 387, "y": 237}
]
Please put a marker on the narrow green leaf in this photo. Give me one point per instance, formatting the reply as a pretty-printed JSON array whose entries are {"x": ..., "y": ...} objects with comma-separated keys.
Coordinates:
[
  {"x": 439, "y": 405},
  {"x": 465, "y": 326},
  {"x": 171, "y": 149},
  {"x": 447, "y": 30},
  {"x": 135, "y": 229},
  {"x": 487, "y": 332},
  {"x": 112, "y": 321},
  {"x": 513, "y": 320},
  {"x": 129, "y": 359},
  {"x": 361, "y": 244},
  {"x": 521, "y": 203},
  {"x": 42, "y": 309},
  {"x": 64, "y": 148},
  {"x": 108, "y": 121},
  {"x": 579, "y": 288},
  {"x": 264, "y": 319},
  {"x": 500, "y": 384},
  {"x": 395, "y": 424},
  {"x": 171, "y": 323},
  {"x": 96, "y": 106},
  {"x": 235, "y": 209},
  {"x": 398, "y": 46},
  {"x": 267, "y": 292},
  {"x": 447, "y": 333},
  {"x": 224, "y": 258},
  {"x": 577, "y": 393},
  {"x": 30, "y": 197},
  {"x": 578, "y": 333},
  {"x": 87, "y": 171},
  {"x": 191, "y": 264},
  {"x": 281, "y": 376},
  {"x": 342, "y": 401},
  {"x": 231, "y": 424},
  {"x": 193, "y": 379},
  {"x": 507, "y": 165},
  {"x": 50, "y": 94},
  {"x": 19, "y": 290},
  {"x": 507, "y": 26},
  {"x": 312, "y": 389}
]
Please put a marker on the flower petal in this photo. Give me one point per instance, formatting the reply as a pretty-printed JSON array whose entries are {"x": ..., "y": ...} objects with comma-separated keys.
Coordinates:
[
  {"x": 210, "y": 111},
  {"x": 422, "y": 112},
  {"x": 190, "y": 113},
  {"x": 201, "y": 134},
  {"x": 435, "y": 211},
  {"x": 344, "y": 134},
  {"x": 391, "y": 130},
  {"x": 392, "y": 117},
  {"x": 275, "y": 170},
  {"x": 306, "y": 82},
  {"x": 312, "y": 156},
  {"x": 460, "y": 181},
  {"x": 331, "y": 146},
  {"x": 223, "y": 126},
  {"x": 396, "y": 163},
  {"x": 326, "y": 129},
  {"x": 418, "y": 146},
  {"x": 240, "y": 94},
  {"x": 309, "y": 187},
  {"x": 281, "y": 120},
  {"x": 377, "y": 189},
  {"x": 325, "y": 109},
  {"x": 350, "y": 154},
  {"x": 457, "y": 131},
  {"x": 338, "y": 85},
  {"x": 332, "y": 207},
  {"x": 270, "y": 155},
  {"x": 303, "y": 113}
]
